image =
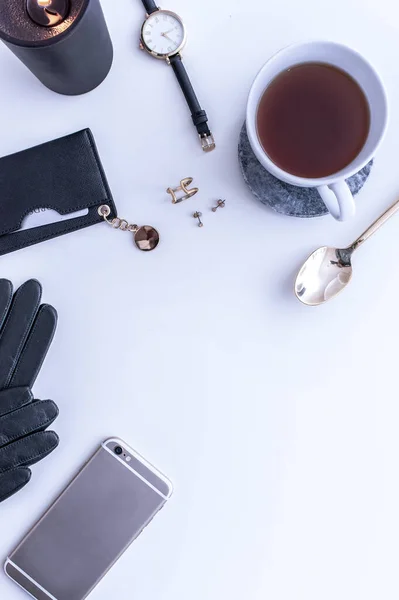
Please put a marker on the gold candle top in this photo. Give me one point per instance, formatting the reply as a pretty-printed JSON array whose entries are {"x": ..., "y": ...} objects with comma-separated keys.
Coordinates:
[
  {"x": 47, "y": 13},
  {"x": 32, "y": 22}
]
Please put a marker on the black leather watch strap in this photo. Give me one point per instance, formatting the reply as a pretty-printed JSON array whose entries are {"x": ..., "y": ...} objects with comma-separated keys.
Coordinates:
[
  {"x": 150, "y": 6},
  {"x": 199, "y": 116}
]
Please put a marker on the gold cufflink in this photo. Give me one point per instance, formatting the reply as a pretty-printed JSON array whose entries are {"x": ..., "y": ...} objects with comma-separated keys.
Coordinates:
[{"x": 183, "y": 187}]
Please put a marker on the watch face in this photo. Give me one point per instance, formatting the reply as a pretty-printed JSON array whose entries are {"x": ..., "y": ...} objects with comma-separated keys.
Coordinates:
[{"x": 163, "y": 34}]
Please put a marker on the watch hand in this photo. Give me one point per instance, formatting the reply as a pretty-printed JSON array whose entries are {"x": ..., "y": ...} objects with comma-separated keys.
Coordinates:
[
  {"x": 166, "y": 32},
  {"x": 168, "y": 38}
]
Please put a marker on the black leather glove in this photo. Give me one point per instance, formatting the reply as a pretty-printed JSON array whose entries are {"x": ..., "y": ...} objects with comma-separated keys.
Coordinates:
[{"x": 26, "y": 332}]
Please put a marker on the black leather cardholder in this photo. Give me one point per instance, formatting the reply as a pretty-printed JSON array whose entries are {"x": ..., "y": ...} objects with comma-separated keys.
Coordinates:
[{"x": 65, "y": 176}]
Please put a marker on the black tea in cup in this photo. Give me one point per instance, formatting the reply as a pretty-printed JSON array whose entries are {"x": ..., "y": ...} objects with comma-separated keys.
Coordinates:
[{"x": 313, "y": 120}]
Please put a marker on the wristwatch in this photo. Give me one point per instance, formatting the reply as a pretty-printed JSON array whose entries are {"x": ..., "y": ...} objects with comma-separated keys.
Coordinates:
[{"x": 163, "y": 35}]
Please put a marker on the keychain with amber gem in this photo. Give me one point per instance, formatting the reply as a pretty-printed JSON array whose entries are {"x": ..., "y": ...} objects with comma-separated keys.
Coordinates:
[{"x": 146, "y": 237}]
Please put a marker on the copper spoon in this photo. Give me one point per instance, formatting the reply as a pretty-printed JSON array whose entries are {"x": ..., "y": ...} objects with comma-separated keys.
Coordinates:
[{"x": 329, "y": 270}]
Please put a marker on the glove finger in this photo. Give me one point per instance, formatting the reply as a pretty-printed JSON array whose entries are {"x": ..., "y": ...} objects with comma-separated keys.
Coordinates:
[
  {"x": 16, "y": 328},
  {"x": 14, "y": 398},
  {"x": 13, "y": 481},
  {"x": 6, "y": 291},
  {"x": 28, "y": 451},
  {"x": 34, "y": 417},
  {"x": 36, "y": 347}
]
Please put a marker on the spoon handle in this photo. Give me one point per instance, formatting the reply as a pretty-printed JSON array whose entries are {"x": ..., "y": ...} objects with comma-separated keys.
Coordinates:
[{"x": 375, "y": 226}]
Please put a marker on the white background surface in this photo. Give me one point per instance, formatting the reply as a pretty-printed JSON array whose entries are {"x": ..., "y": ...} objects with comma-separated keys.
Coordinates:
[{"x": 277, "y": 423}]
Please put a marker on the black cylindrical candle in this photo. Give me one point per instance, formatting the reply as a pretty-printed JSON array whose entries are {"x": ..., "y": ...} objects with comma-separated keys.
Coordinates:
[{"x": 71, "y": 54}]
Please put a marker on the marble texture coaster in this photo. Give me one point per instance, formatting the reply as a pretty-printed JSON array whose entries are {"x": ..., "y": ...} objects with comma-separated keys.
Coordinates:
[{"x": 282, "y": 197}]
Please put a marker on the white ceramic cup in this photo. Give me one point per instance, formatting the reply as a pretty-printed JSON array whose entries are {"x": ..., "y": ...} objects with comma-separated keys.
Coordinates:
[{"x": 333, "y": 189}]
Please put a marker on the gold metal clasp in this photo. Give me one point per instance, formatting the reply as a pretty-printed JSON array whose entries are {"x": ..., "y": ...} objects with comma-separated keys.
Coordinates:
[
  {"x": 183, "y": 187},
  {"x": 207, "y": 142}
]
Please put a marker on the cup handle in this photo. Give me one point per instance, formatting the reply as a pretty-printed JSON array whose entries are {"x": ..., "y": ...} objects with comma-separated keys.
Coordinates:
[{"x": 338, "y": 199}]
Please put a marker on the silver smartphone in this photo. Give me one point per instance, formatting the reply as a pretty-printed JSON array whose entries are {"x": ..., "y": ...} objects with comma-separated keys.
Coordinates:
[{"x": 108, "y": 504}]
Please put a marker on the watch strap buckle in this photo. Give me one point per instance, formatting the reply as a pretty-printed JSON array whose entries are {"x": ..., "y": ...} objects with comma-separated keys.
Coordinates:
[{"x": 207, "y": 142}]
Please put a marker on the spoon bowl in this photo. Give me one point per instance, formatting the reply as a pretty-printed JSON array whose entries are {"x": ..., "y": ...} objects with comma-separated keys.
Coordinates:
[
  {"x": 323, "y": 276},
  {"x": 329, "y": 270}
]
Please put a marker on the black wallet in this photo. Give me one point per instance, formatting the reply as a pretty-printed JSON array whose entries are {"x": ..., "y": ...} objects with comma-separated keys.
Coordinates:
[{"x": 65, "y": 175}]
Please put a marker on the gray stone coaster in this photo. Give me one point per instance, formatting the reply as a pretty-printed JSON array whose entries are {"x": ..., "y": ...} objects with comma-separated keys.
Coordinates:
[{"x": 282, "y": 197}]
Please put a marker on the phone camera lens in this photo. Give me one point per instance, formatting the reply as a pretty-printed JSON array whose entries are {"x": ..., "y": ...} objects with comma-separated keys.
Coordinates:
[{"x": 118, "y": 450}]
